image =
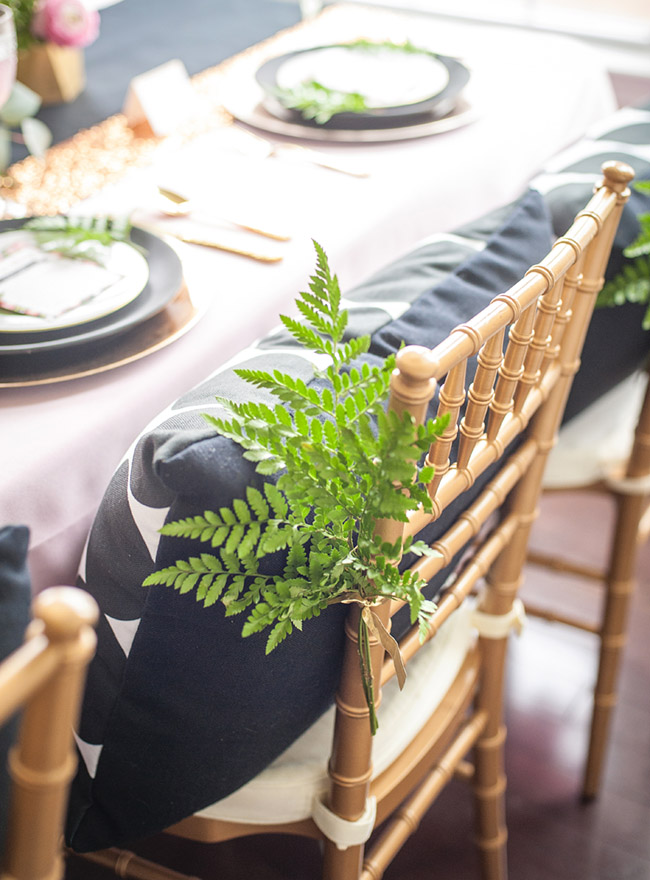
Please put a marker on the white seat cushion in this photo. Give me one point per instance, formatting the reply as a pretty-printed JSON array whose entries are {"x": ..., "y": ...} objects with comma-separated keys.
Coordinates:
[
  {"x": 595, "y": 443},
  {"x": 285, "y": 790}
]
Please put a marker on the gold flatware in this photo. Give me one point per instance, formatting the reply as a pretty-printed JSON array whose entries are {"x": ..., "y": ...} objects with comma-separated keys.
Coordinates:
[
  {"x": 231, "y": 249},
  {"x": 181, "y": 206},
  {"x": 213, "y": 243},
  {"x": 265, "y": 149}
]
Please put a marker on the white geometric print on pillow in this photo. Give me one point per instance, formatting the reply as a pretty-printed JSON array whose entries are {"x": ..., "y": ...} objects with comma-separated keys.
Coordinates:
[
  {"x": 124, "y": 631},
  {"x": 90, "y": 754}
]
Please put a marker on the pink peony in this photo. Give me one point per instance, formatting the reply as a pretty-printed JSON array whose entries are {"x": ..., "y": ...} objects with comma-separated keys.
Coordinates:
[{"x": 65, "y": 22}]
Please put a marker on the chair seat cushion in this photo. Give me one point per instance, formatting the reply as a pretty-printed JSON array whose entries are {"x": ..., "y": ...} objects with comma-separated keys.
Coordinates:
[
  {"x": 174, "y": 685},
  {"x": 596, "y": 443},
  {"x": 285, "y": 790}
]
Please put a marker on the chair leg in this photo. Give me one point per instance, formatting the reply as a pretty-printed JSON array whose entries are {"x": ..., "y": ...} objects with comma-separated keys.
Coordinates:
[
  {"x": 341, "y": 864},
  {"x": 502, "y": 584},
  {"x": 613, "y": 634},
  {"x": 619, "y": 587},
  {"x": 489, "y": 777}
]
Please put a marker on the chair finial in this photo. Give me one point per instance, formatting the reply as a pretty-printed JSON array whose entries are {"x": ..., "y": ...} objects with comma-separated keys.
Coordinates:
[
  {"x": 65, "y": 611},
  {"x": 617, "y": 175}
]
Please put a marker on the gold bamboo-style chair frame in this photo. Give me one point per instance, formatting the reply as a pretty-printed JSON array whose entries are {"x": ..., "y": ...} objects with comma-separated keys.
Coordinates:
[
  {"x": 527, "y": 343},
  {"x": 628, "y": 487},
  {"x": 44, "y": 679}
]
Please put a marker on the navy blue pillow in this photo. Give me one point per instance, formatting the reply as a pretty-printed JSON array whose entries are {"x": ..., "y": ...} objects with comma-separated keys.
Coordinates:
[
  {"x": 15, "y": 599},
  {"x": 180, "y": 710},
  {"x": 616, "y": 344}
]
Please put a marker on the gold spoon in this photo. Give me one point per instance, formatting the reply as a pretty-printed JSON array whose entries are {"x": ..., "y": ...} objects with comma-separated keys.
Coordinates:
[
  {"x": 212, "y": 243},
  {"x": 183, "y": 207}
]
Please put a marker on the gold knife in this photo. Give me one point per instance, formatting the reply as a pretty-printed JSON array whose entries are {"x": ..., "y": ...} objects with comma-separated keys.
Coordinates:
[
  {"x": 217, "y": 245},
  {"x": 183, "y": 207},
  {"x": 231, "y": 249}
]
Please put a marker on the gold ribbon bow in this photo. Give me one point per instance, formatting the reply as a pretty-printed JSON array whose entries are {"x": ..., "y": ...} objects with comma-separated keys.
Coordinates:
[{"x": 388, "y": 642}]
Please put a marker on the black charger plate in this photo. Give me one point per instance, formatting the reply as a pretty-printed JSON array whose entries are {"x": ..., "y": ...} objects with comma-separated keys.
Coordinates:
[
  {"x": 164, "y": 282},
  {"x": 433, "y": 107}
]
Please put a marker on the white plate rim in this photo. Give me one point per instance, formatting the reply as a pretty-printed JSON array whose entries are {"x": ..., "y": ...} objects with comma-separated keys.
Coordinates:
[{"x": 121, "y": 294}]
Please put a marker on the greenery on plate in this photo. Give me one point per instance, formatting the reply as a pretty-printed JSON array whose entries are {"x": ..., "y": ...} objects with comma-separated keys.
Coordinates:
[
  {"x": 343, "y": 463},
  {"x": 320, "y": 103},
  {"x": 79, "y": 236},
  {"x": 632, "y": 284},
  {"x": 406, "y": 46}
]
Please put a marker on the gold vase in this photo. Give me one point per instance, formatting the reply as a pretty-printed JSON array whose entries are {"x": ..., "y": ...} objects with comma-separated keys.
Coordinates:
[{"x": 55, "y": 73}]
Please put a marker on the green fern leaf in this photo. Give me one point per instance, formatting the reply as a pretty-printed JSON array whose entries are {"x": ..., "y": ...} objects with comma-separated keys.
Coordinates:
[
  {"x": 214, "y": 590},
  {"x": 257, "y": 503},
  {"x": 278, "y": 634},
  {"x": 276, "y": 500},
  {"x": 305, "y": 335},
  {"x": 249, "y": 541}
]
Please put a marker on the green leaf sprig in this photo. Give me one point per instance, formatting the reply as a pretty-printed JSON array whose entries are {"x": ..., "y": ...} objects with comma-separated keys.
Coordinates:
[
  {"x": 343, "y": 463},
  {"x": 405, "y": 46},
  {"x": 80, "y": 237},
  {"x": 319, "y": 102},
  {"x": 18, "y": 113},
  {"x": 632, "y": 284}
]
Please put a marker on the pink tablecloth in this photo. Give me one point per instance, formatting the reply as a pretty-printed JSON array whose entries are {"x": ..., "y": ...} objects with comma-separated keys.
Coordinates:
[{"x": 534, "y": 94}]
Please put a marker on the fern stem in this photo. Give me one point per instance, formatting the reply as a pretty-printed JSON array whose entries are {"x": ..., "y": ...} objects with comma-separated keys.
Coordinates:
[{"x": 366, "y": 673}]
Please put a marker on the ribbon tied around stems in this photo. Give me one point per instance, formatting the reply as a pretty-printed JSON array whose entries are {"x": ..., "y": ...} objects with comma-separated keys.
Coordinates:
[
  {"x": 388, "y": 642},
  {"x": 369, "y": 622}
]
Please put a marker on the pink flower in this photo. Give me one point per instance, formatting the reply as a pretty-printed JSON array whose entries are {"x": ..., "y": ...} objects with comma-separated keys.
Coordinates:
[{"x": 65, "y": 22}]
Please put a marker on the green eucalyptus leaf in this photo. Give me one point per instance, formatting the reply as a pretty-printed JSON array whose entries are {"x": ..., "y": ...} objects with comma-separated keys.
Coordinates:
[
  {"x": 37, "y": 135},
  {"x": 22, "y": 103}
]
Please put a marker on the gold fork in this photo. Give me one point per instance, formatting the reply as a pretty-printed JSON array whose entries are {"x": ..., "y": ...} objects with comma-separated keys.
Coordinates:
[{"x": 181, "y": 206}]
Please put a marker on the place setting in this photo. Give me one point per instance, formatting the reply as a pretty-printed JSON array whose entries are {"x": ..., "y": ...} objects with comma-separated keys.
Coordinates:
[
  {"x": 83, "y": 294},
  {"x": 357, "y": 91},
  {"x": 80, "y": 295}
]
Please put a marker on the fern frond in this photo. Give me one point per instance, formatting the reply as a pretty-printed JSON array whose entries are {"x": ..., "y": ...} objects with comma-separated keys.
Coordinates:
[
  {"x": 641, "y": 244},
  {"x": 631, "y": 285},
  {"x": 344, "y": 462},
  {"x": 307, "y": 337}
]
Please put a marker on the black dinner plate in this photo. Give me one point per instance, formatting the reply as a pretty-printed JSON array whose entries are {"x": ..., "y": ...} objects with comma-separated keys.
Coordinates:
[
  {"x": 436, "y": 105},
  {"x": 164, "y": 282}
]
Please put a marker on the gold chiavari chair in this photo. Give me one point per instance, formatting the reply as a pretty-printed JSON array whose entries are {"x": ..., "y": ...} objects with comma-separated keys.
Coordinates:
[
  {"x": 44, "y": 680},
  {"x": 627, "y": 484},
  {"x": 527, "y": 343}
]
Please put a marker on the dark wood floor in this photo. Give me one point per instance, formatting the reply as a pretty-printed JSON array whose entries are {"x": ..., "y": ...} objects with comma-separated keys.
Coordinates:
[{"x": 553, "y": 836}]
